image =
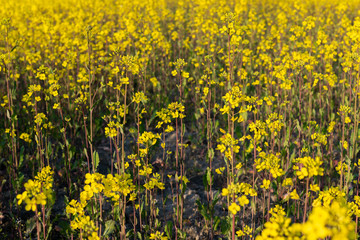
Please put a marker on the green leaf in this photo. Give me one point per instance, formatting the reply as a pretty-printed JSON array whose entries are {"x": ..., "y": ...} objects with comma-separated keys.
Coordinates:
[
  {"x": 30, "y": 226},
  {"x": 205, "y": 182},
  {"x": 21, "y": 156},
  {"x": 216, "y": 222},
  {"x": 49, "y": 231},
  {"x": 197, "y": 115},
  {"x": 208, "y": 175},
  {"x": 286, "y": 142},
  {"x": 351, "y": 150},
  {"x": 109, "y": 227},
  {"x": 116, "y": 166},
  {"x": 49, "y": 149},
  {"x": 216, "y": 198},
  {"x": 71, "y": 154},
  {"x": 85, "y": 151},
  {"x": 211, "y": 153},
  {"x": 182, "y": 234},
  {"x": 298, "y": 125},
  {"x": 168, "y": 229},
  {"x": 224, "y": 226},
  {"x": 183, "y": 130},
  {"x": 96, "y": 160}
]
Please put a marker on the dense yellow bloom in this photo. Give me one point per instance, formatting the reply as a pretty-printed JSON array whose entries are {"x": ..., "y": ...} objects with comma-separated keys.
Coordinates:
[
  {"x": 220, "y": 170},
  {"x": 269, "y": 162},
  {"x": 266, "y": 184},
  {"x": 234, "y": 208},
  {"x": 247, "y": 231},
  {"x": 25, "y": 137},
  {"x": 111, "y": 186},
  {"x": 314, "y": 187},
  {"x": 268, "y": 65},
  {"x": 294, "y": 195},
  {"x": 158, "y": 236},
  {"x": 287, "y": 182},
  {"x": 243, "y": 200},
  {"x": 325, "y": 198},
  {"x": 111, "y": 129},
  {"x": 176, "y": 110},
  {"x": 277, "y": 227},
  {"x": 174, "y": 73},
  {"x": 37, "y": 191},
  {"x": 354, "y": 207},
  {"x": 228, "y": 145},
  {"x": 308, "y": 167},
  {"x": 140, "y": 97},
  {"x": 332, "y": 221},
  {"x": 274, "y": 123},
  {"x": 153, "y": 182},
  {"x": 238, "y": 188},
  {"x": 259, "y": 129},
  {"x": 341, "y": 168},
  {"x": 233, "y": 98}
]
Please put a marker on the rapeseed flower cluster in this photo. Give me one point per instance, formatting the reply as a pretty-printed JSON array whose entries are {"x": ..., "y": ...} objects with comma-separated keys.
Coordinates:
[
  {"x": 323, "y": 222},
  {"x": 113, "y": 187},
  {"x": 278, "y": 227},
  {"x": 38, "y": 191},
  {"x": 269, "y": 162},
  {"x": 239, "y": 192},
  {"x": 308, "y": 167},
  {"x": 228, "y": 145},
  {"x": 282, "y": 77}
]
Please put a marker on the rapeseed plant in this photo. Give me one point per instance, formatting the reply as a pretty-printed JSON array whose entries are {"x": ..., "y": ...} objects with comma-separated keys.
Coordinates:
[
  {"x": 38, "y": 193},
  {"x": 284, "y": 76}
]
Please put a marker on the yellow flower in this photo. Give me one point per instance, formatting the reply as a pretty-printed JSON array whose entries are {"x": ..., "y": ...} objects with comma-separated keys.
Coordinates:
[
  {"x": 157, "y": 236},
  {"x": 154, "y": 81},
  {"x": 287, "y": 182},
  {"x": 309, "y": 167},
  {"x": 238, "y": 166},
  {"x": 314, "y": 187},
  {"x": 25, "y": 137},
  {"x": 41, "y": 199},
  {"x": 220, "y": 170},
  {"x": 246, "y": 231},
  {"x": 243, "y": 200},
  {"x": 56, "y": 106},
  {"x": 30, "y": 204},
  {"x": 347, "y": 120},
  {"x": 345, "y": 145},
  {"x": 21, "y": 197},
  {"x": 234, "y": 208},
  {"x": 225, "y": 192},
  {"x": 185, "y": 74},
  {"x": 294, "y": 195},
  {"x": 266, "y": 184}
]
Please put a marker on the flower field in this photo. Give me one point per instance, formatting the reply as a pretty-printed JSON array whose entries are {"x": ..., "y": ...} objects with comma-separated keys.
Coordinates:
[{"x": 188, "y": 119}]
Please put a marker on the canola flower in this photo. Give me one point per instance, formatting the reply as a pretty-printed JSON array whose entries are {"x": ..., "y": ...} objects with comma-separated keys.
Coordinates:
[
  {"x": 111, "y": 186},
  {"x": 228, "y": 145},
  {"x": 38, "y": 191},
  {"x": 269, "y": 162},
  {"x": 240, "y": 192},
  {"x": 308, "y": 167},
  {"x": 158, "y": 236},
  {"x": 323, "y": 222},
  {"x": 278, "y": 67}
]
